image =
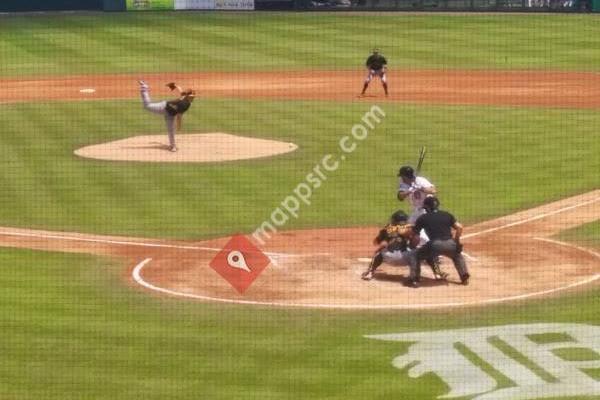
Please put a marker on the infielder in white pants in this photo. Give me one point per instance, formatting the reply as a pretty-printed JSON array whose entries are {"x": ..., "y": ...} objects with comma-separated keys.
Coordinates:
[
  {"x": 172, "y": 110},
  {"x": 376, "y": 67}
]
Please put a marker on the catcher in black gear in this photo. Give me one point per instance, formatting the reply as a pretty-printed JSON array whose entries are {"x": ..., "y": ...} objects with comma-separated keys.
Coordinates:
[{"x": 395, "y": 243}]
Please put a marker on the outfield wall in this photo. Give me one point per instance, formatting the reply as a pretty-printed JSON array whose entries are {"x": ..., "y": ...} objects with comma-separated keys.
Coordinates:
[
  {"x": 452, "y": 5},
  {"x": 50, "y": 5},
  {"x": 309, "y": 5}
]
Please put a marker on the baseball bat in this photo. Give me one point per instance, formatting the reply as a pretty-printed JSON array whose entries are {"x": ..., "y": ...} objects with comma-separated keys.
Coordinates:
[{"x": 421, "y": 158}]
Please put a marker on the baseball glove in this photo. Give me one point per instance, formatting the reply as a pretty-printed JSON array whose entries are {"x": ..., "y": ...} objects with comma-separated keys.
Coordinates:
[
  {"x": 404, "y": 231},
  {"x": 171, "y": 85}
]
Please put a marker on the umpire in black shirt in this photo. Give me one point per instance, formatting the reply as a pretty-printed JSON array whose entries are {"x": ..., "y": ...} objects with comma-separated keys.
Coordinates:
[{"x": 439, "y": 226}]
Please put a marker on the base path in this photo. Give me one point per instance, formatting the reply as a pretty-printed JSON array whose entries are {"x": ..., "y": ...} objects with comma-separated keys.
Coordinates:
[
  {"x": 511, "y": 258},
  {"x": 518, "y": 88}
]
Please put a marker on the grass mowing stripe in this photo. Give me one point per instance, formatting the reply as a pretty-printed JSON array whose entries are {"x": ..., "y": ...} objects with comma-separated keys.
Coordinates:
[
  {"x": 520, "y": 358},
  {"x": 502, "y": 381},
  {"x": 46, "y": 139},
  {"x": 587, "y": 235},
  {"x": 71, "y": 329},
  {"x": 544, "y": 338},
  {"x": 576, "y": 354},
  {"x": 432, "y": 41},
  {"x": 593, "y": 373},
  {"x": 31, "y": 58},
  {"x": 106, "y": 54},
  {"x": 70, "y": 49}
]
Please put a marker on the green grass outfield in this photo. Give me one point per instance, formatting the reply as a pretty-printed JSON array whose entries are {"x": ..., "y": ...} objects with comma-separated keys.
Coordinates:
[
  {"x": 501, "y": 159},
  {"x": 72, "y": 329},
  {"x": 192, "y": 41}
]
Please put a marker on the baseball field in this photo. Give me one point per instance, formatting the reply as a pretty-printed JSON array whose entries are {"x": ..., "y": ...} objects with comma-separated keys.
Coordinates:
[{"x": 108, "y": 283}]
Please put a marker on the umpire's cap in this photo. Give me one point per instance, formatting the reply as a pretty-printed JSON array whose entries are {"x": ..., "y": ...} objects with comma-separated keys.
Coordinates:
[
  {"x": 431, "y": 203},
  {"x": 407, "y": 172}
]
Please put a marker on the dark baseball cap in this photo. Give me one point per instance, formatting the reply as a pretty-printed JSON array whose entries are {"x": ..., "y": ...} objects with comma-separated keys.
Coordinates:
[{"x": 406, "y": 171}]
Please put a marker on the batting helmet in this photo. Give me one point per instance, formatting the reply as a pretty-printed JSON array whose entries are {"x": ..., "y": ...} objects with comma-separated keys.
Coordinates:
[
  {"x": 407, "y": 172},
  {"x": 431, "y": 203},
  {"x": 399, "y": 217}
]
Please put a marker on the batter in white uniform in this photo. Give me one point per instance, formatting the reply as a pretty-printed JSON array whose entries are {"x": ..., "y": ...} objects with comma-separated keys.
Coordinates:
[{"x": 416, "y": 189}]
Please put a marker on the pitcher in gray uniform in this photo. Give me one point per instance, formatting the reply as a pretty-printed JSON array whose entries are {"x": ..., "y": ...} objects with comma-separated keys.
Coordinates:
[{"x": 172, "y": 110}]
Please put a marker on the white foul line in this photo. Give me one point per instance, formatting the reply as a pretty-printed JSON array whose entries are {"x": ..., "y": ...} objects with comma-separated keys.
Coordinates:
[
  {"x": 104, "y": 241},
  {"x": 526, "y": 220},
  {"x": 564, "y": 244},
  {"x": 138, "y": 278},
  {"x": 186, "y": 247},
  {"x": 136, "y": 274},
  {"x": 141, "y": 244},
  {"x": 137, "y": 270}
]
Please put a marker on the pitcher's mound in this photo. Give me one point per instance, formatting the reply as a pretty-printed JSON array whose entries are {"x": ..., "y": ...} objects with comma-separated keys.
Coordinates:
[{"x": 204, "y": 147}]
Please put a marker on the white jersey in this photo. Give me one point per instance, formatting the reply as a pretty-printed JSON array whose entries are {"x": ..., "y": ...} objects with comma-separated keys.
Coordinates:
[{"x": 417, "y": 197}]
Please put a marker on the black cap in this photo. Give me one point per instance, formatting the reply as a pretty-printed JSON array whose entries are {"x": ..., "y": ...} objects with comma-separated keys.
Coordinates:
[
  {"x": 431, "y": 203},
  {"x": 399, "y": 217},
  {"x": 407, "y": 172}
]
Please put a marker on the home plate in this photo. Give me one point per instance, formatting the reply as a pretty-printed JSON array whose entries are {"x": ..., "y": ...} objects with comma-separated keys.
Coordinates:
[
  {"x": 362, "y": 259},
  {"x": 87, "y": 91}
]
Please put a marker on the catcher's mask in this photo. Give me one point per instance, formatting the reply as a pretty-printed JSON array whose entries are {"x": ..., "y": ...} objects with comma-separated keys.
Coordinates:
[
  {"x": 407, "y": 172},
  {"x": 399, "y": 217},
  {"x": 431, "y": 204}
]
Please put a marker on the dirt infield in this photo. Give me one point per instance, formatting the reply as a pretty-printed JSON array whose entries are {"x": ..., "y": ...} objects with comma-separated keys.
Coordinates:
[
  {"x": 510, "y": 258},
  {"x": 518, "y": 88}
]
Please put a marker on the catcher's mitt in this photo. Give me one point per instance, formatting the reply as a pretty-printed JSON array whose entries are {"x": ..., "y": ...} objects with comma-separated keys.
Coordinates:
[{"x": 403, "y": 231}]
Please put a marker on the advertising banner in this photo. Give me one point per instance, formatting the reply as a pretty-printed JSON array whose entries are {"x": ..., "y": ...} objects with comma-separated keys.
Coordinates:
[
  {"x": 194, "y": 4},
  {"x": 140, "y": 5},
  {"x": 234, "y": 4}
]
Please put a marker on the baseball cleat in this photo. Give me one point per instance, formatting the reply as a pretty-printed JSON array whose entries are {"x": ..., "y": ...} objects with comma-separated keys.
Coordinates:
[
  {"x": 172, "y": 149},
  {"x": 441, "y": 276},
  {"x": 438, "y": 274},
  {"x": 411, "y": 283},
  {"x": 464, "y": 279},
  {"x": 143, "y": 84},
  {"x": 367, "y": 275}
]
